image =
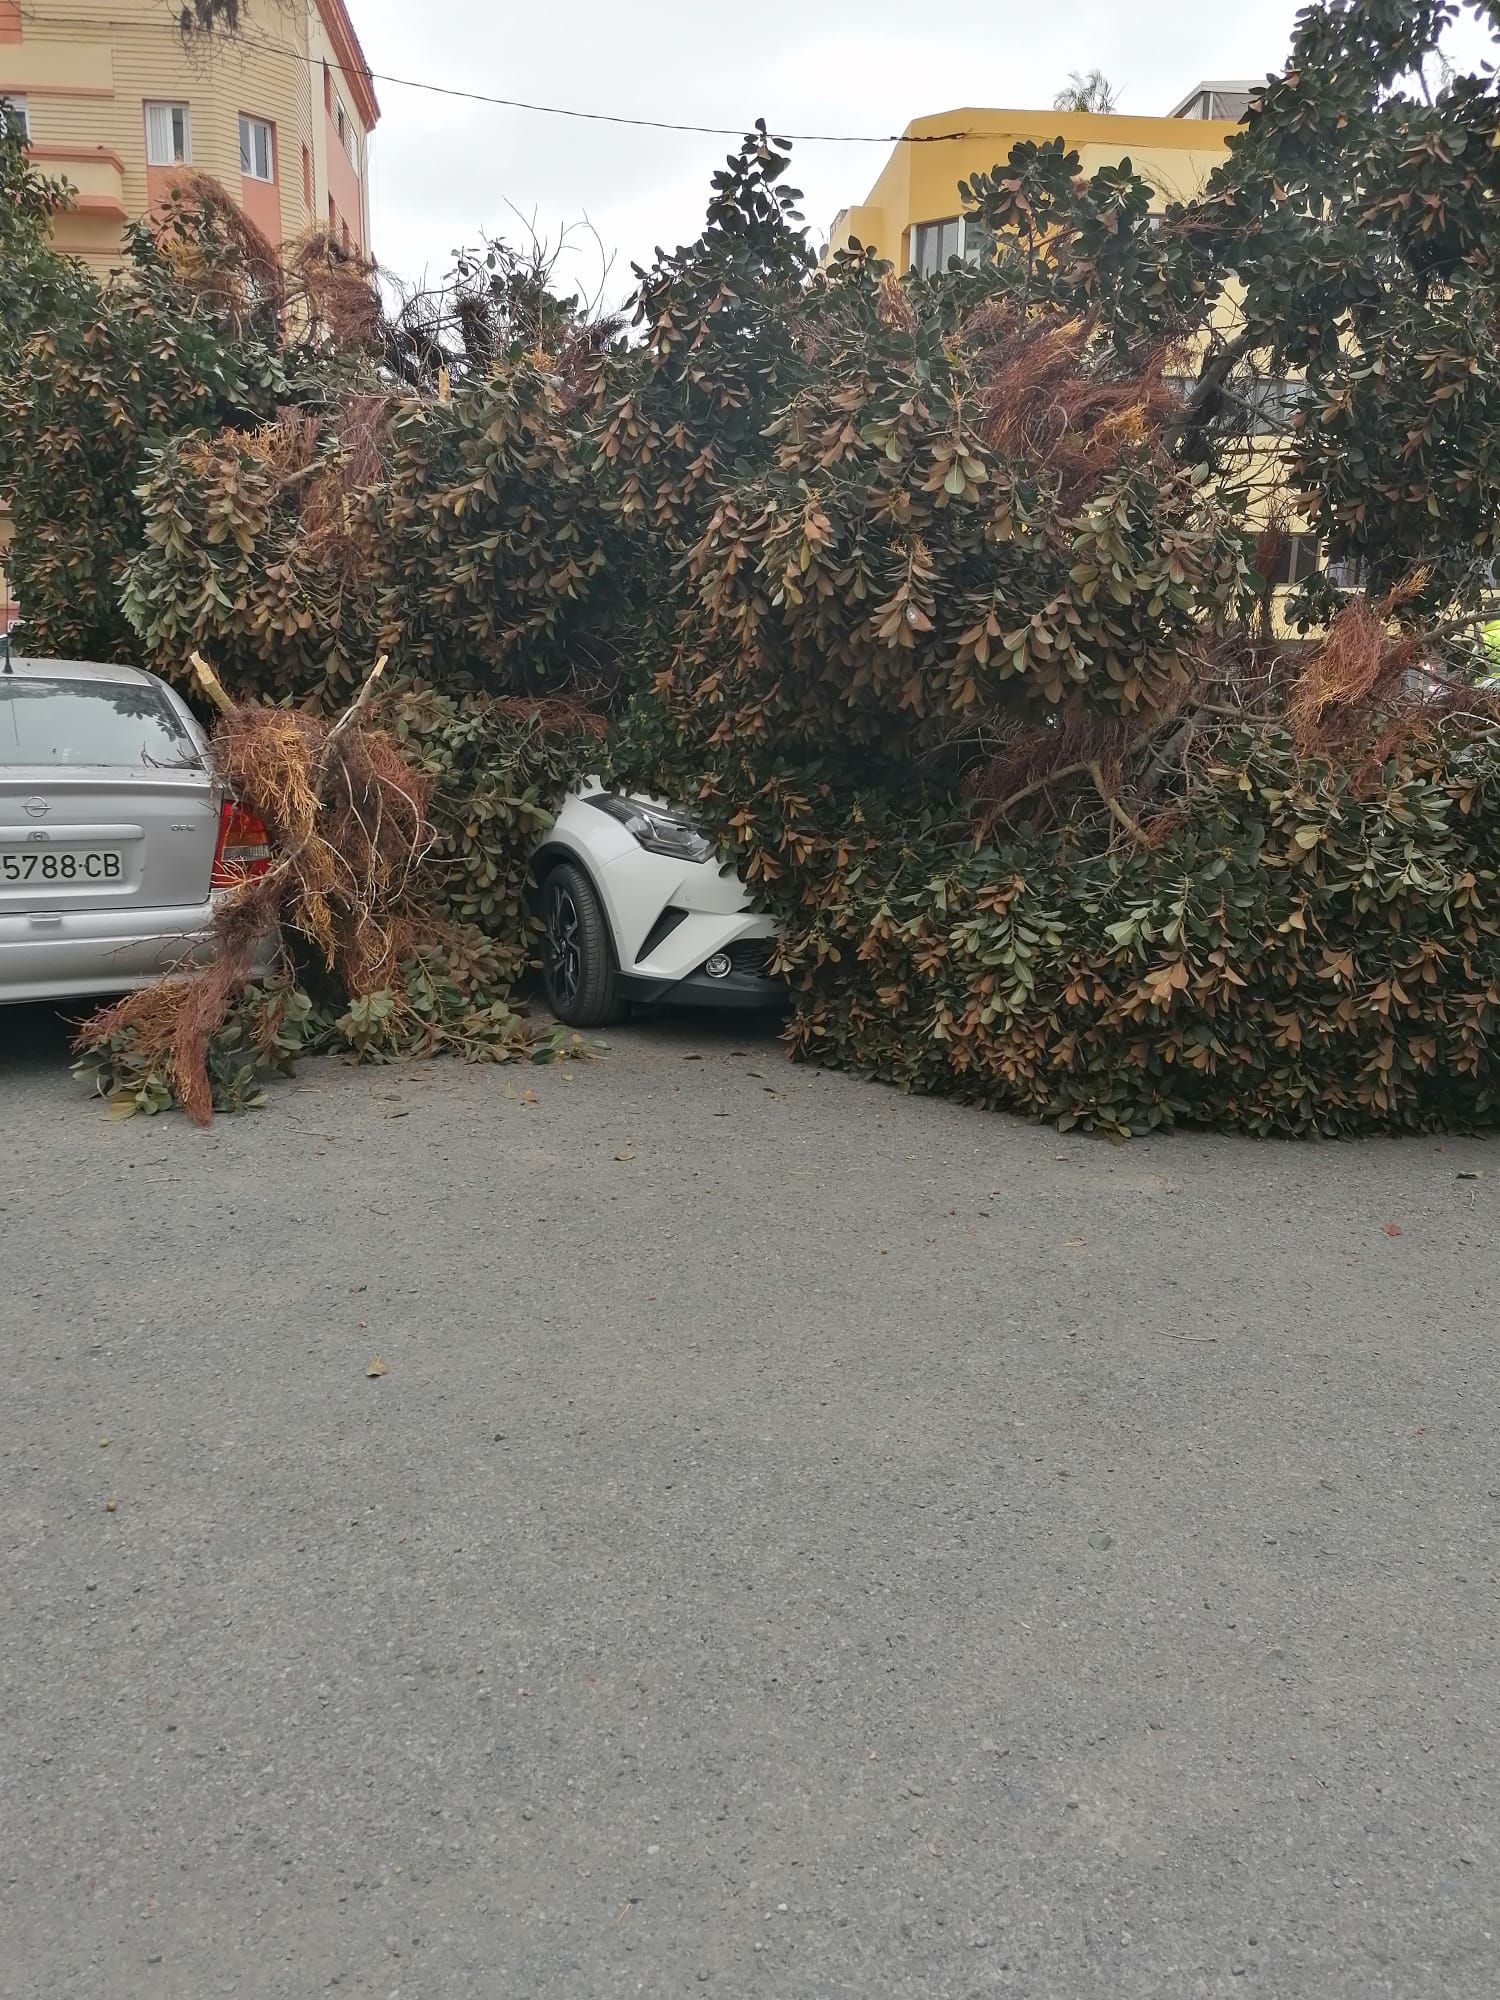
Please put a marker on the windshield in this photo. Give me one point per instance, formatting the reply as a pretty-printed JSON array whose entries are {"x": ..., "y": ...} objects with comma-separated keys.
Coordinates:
[{"x": 108, "y": 723}]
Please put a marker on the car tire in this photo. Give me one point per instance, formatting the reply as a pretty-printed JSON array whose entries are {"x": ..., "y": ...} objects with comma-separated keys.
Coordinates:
[{"x": 578, "y": 960}]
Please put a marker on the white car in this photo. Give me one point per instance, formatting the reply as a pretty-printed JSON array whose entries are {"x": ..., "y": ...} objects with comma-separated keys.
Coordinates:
[
  {"x": 115, "y": 836},
  {"x": 638, "y": 907}
]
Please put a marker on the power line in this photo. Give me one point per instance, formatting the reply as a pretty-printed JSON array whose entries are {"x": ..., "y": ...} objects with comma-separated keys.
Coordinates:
[
  {"x": 556, "y": 110},
  {"x": 671, "y": 125}
]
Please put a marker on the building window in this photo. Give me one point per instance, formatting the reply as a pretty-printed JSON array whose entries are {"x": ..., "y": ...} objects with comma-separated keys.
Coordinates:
[
  {"x": 1269, "y": 403},
  {"x": 1297, "y": 561},
  {"x": 1227, "y": 101},
  {"x": 306, "y": 179},
  {"x": 935, "y": 244},
  {"x": 1229, "y": 104},
  {"x": 1352, "y": 573},
  {"x": 327, "y": 89},
  {"x": 257, "y": 149},
  {"x": 17, "y": 117},
  {"x": 169, "y": 135},
  {"x": 347, "y": 138}
]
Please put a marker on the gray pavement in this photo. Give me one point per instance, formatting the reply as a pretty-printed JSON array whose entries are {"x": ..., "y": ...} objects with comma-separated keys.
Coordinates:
[{"x": 808, "y": 1542}]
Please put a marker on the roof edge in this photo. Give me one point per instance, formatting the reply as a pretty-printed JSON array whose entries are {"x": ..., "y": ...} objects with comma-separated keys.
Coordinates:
[
  {"x": 972, "y": 121},
  {"x": 351, "y": 57},
  {"x": 1249, "y": 84}
]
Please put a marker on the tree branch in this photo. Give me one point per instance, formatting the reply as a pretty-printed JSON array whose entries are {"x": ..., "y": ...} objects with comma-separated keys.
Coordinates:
[
  {"x": 1213, "y": 378},
  {"x": 359, "y": 701},
  {"x": 1117, "y": 811},
  {"x": 209, "y": 681},
  {"x": 1040, "y": 785}
]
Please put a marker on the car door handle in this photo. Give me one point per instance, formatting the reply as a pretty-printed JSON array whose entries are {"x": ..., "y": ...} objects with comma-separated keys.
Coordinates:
[{"x": 46, "y": 920}]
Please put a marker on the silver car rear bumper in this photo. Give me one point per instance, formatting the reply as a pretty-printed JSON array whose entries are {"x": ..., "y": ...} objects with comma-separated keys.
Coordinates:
[{"x": 75, "y": 954}]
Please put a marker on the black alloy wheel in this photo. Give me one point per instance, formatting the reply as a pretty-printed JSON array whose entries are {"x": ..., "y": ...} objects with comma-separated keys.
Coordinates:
[{"x": 578, "y": 967}]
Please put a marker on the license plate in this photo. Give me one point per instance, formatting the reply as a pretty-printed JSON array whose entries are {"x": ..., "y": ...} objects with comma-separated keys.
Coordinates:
[{"x": 62, "y": 865}]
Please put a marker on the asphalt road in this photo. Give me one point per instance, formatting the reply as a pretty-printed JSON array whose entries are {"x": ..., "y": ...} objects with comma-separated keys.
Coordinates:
[{"x": 808, "y": 1542}]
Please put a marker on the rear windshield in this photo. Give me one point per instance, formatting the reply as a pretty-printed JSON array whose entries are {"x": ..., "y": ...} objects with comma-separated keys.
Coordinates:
[{"x": 107, "y": 723}]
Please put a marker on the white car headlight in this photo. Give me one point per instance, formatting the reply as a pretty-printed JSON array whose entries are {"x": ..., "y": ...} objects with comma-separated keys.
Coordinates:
[{"x": 655, "y": 828}]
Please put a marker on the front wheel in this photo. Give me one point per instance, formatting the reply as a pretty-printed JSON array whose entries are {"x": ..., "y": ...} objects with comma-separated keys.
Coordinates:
[{"x": 578, "y": 966}]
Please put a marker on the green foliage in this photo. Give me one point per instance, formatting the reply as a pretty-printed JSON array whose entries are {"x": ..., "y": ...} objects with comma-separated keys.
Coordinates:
[
  {"x": 496, "y": 301},
  {"x": 496, "y": 767},
  {"x": 268, "y": 550},
  {"x": 860, "y": 563},
  {"x": 106, "y": 372},
  {"x": 40, "y": 287},
  {"x": 1348, "y": 241},
  {"x": 1087, "y": 90},
  {"x": 913, "y": 574},
  {"x": 263, "y": 551},
  {"x": 1089, "y": 247},
  {"x": 954, "y": 513},
  {"x": 1291, "y": 955},
  {"x": 685, "y": 417},
  {"x": 500, "y": 566},
  {"x": 498, "y": 770},
  {"x": 250, "y": 552},
  {"x": 83, "y": 403},
  {"x": 265, "y": 1032},
  {"x": 1360, "y": 220},
  {"x": 271, "y": 1027}
]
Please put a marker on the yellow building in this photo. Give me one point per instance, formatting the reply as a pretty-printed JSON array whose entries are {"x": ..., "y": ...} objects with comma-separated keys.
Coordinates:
[
  {"x": 913, "y": 215},
  {"x": 115, "y": 100}
]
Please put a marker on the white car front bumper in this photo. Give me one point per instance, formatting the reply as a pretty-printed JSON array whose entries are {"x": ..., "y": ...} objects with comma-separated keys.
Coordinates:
[{"x": 667, "y": 917}]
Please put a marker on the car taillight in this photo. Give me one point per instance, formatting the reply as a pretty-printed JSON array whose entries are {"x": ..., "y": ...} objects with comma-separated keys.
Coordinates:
[{"x": 244, "y": 847}]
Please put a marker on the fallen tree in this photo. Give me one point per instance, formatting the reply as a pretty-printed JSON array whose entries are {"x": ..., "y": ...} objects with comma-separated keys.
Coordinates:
[
  {"x": 949, "y": 601},
  {"x": 369, "y": 960},
  {"x": 973, "y": 666}
]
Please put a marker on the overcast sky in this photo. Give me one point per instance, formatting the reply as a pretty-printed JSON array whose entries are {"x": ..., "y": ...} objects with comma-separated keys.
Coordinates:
[{"x": 443, "y": 170}]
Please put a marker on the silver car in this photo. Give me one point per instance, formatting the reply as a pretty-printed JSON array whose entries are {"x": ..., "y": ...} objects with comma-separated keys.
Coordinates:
[{"x": 115, "y": 836}]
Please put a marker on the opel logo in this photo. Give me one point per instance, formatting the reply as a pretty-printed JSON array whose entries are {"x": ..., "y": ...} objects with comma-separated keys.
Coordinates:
[{"x": 36, "y": 808}]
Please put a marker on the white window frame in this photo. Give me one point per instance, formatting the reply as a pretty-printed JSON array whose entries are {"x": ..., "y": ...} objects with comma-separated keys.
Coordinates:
[
  {"x": 941, "y": 223},
  {"x": 968, "y": 238},
  {"x": 20, "y": 110},
  {"x": 1349, "y": 573},
  {"x": 1301, "y": 558},
  {"x": 179, "y": 115},
  {"x": 250, "y": 127},
  {"x": 347, "y": 130}
]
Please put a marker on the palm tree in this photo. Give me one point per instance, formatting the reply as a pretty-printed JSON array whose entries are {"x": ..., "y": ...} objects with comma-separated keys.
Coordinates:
[{"x": 1088, "y": 90}]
